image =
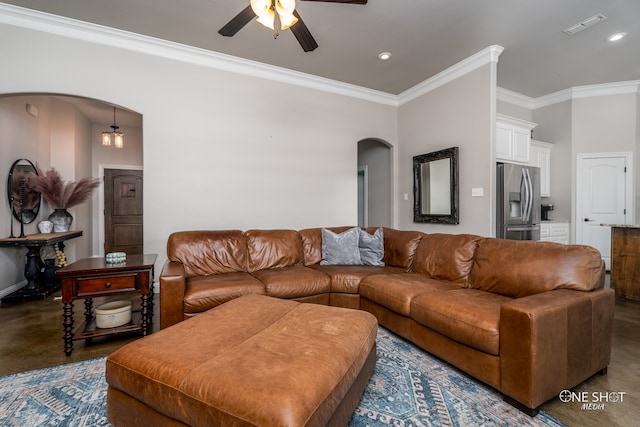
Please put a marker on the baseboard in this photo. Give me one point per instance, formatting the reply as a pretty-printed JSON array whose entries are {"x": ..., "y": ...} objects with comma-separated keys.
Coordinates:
[{"x": 11, "y": 289}]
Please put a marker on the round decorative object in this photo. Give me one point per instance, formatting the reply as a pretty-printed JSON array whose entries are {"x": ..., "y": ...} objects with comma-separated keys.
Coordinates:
[
  {"x": 116, "y": 257},
  {"x": 45, "y": 226},
  {"x": 61, "y": 220},
  {"x": 113, "y": 314}
]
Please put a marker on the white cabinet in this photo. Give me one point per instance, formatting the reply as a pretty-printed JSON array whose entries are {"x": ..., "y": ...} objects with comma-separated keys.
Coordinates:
[
  {"x": 541, "y": 157},
  {"x": 513, "y": 139},
  {"x": 554, "y": 232}
]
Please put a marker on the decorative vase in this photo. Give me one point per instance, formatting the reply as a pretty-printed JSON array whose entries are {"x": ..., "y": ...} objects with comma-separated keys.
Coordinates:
[
  {"x": 61, "y": 220},
  {"x": 45, "y": 226}
]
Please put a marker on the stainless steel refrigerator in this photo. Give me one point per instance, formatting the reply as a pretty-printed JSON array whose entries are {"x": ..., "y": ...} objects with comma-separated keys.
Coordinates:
[{"x": 518, "y": 202}]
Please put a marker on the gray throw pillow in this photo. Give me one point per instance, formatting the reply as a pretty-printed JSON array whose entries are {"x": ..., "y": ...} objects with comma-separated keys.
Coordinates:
[
  {"x": 340, "y": 249},
  {"x": 372, "y": 247}
]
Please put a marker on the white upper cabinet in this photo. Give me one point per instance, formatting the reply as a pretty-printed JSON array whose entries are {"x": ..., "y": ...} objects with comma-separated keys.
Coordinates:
[
  {"x": 513, "y": 139},
  {"x": 541, "y": 157}
]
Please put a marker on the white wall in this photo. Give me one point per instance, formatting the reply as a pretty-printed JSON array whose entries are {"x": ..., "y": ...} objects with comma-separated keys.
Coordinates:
[
  {"x": 554, "y": 126},
  {"x": 603, "y": 124},
  {"x": 19, "y": 139},
  {"x": 460, "y": 113},
  {"x": 221, "y": 149},
  {"x": 512, "y": 110}
]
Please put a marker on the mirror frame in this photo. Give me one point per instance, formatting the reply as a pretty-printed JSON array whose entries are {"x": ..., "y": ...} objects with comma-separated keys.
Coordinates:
[
  {"x": 11, "y": 194},
  {"x": 454, "y": 216}
]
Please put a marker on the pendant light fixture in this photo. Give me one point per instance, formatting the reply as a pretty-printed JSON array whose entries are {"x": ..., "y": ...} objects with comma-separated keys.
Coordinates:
[{"x": 114, "y": 135}]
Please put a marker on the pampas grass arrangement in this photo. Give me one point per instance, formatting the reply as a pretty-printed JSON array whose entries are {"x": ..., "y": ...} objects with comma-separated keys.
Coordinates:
[{"x": 60, "y": 194}]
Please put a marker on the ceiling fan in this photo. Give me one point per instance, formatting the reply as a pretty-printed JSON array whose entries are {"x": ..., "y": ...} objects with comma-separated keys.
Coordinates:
[{"x": 277, "y": 15}]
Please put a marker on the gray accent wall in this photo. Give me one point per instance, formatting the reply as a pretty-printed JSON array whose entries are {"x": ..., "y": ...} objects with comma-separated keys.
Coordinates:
[{"x": 460, "y": 113}]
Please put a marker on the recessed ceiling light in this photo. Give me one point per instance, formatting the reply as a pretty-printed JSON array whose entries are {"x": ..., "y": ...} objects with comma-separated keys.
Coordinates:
[
  {"x": 615, "y": 37},
  {"x": 384, "y": 56}
]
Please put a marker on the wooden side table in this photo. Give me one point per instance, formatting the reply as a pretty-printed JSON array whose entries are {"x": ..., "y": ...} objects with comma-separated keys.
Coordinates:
[
  {"x": 34, "y": 243},
  {"x": 94, "y": 277}
]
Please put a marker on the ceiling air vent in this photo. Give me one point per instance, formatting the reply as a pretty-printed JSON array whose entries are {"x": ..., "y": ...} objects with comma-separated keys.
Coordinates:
[{"x": 589, "y": 22}]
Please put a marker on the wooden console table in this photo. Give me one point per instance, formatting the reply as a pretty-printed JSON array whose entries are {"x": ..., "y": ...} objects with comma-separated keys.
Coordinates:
[
  {"x": 34, "y": 243},
  {"x": 625, "y": 261},
  {"x": 94, "y": 277}
]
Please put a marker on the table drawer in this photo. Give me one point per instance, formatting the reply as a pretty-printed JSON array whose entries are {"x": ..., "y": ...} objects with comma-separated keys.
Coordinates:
[{"x": 104, "y": 285}]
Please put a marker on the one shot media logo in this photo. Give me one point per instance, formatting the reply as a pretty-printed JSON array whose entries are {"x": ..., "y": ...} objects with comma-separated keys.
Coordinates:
[{"x": 592, "y": 400}]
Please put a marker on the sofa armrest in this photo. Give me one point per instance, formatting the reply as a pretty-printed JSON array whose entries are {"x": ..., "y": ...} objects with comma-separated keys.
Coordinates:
[
  {"x": 553, "y": 341},
  {"x": 172, "y": 287}
]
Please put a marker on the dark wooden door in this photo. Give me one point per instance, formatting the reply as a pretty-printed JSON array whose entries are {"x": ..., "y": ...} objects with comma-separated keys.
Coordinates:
[{"x": 123, "y": 211}]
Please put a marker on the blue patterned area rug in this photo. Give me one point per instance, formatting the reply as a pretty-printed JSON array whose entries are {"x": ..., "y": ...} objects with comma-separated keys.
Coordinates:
[{"x": 409, "y": 387}]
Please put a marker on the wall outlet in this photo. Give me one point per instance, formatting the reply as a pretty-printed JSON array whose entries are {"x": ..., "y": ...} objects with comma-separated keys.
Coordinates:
[
  {"x": 406, "y": 196},
  {"x": 477, "y": 192}
]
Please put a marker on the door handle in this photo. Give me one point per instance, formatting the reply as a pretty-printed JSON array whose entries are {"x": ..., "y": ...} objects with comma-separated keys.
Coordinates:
[{"x": 588, "y": 220}]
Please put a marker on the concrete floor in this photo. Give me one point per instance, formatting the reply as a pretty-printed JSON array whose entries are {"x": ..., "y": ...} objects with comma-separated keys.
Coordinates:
[{"x": 31, "y": 338}]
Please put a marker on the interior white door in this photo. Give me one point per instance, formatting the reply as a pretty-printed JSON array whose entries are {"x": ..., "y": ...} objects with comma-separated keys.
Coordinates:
[{"x": 602, "y": 200}]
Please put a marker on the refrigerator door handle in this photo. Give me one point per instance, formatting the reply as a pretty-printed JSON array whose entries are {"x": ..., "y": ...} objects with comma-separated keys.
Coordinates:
[
  {"x": 529, "y": 196},
  {"x": 525, "y": 208}
]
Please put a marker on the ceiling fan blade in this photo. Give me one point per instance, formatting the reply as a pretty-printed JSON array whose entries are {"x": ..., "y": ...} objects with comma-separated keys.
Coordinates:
[
  {"x": 342, "y": 1},
  {"x": 239, "y": 21},
  {"x": 303, "y": 35}
]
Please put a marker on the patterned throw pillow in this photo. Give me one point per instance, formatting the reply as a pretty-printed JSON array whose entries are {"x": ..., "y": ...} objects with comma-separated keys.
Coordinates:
[{"x": 340, "y": 249}]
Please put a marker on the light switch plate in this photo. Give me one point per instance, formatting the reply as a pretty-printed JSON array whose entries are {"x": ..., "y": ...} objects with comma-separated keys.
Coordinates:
[{"x": 477, "y": 192}]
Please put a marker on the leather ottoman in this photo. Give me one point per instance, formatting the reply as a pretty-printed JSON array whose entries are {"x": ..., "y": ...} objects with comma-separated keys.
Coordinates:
[{"x": 253, "y": 361}]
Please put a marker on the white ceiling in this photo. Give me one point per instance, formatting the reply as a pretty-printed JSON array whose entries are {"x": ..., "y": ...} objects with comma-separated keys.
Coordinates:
[{"x": 424, "y": 37}]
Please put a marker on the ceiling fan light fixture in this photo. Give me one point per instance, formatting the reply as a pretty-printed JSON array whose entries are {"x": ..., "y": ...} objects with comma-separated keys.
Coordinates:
[{"x": 266, "y": 11}]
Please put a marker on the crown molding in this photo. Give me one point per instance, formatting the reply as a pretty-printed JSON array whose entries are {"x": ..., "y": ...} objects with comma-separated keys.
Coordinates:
[
  {"x": 485, "y": 56},
  {"x": 76, "y": 29},
  {"x": 577, "y": 92},
  {"x": 514, "y": 98},
  {"x": 107, "y": 36}
]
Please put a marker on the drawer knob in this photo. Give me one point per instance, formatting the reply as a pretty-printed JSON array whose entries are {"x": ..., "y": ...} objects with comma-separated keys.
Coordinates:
[{"x": 107, "y": 285}]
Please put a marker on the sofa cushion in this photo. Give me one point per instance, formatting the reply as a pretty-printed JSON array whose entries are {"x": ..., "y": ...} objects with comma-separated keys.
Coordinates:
[
  {"x": 273, "y": 249},
  {"x": 341, "y": 248},
  {"x": 312, "y": 243},
  {"x": 208, "y": 252},
  {"x": 346, "y": 278},
  {"x": 519, "y": 268},
  {"x": 205, "y": 292},
  {"x": 371, "y": 247},
  {"x": 400, "y": 247},
  {"x": 446, "y": 256},
  {"x": 395, "y": 291},
  {"x": 293, "y": 282},
  {"x": 468, "y": 316}
]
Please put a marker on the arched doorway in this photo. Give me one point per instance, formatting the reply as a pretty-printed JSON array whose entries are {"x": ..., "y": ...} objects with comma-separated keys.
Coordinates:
[
  {"x": 64, "y": 132},
  {"x": 374, "y": 183}
]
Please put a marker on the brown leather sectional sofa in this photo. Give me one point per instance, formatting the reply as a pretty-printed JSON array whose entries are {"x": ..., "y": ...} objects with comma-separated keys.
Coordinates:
[{"x": 528, "y": 318}]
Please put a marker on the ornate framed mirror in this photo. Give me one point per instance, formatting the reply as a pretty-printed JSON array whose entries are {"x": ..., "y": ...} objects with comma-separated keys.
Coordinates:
[
  {"x": 435, "y": 187},
  {"x": 23, "y": 202}
]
